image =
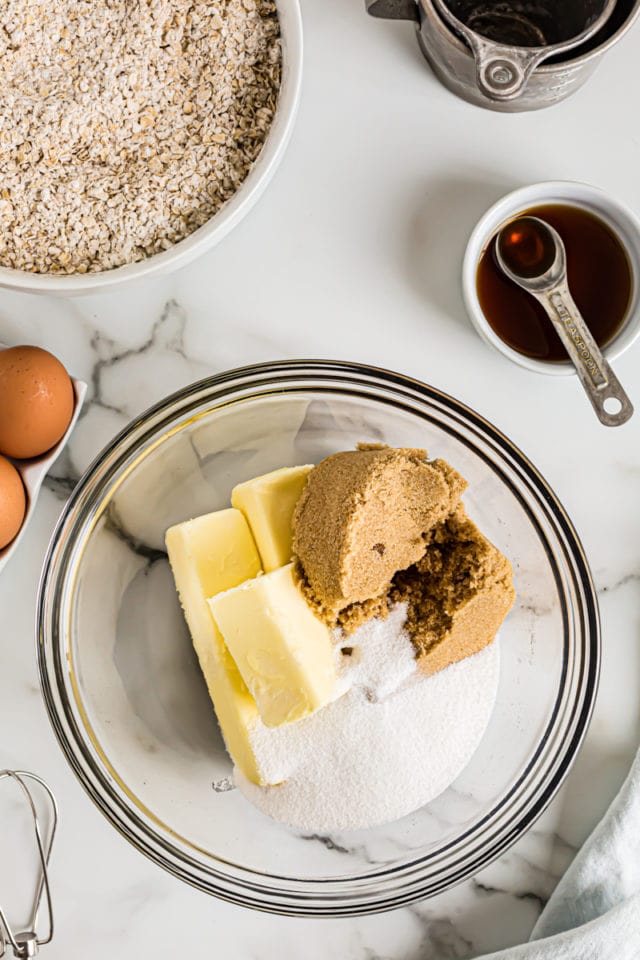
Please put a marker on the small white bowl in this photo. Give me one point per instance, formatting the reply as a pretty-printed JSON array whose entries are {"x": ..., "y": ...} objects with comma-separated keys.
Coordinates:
[
  {"x": 621, "y": 220},
  {"x": 227, "y": 217},
  {"x": 34, "y": 471}
]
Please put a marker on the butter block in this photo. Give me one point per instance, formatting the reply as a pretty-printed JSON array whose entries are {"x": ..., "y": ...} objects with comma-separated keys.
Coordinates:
[
  {"x": 268, "y": 503},
  {"x": 207, "y": 555},
  {"x": 283, "y": 652}
]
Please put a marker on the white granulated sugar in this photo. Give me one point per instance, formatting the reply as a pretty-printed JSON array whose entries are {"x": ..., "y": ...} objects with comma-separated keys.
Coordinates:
[
  {"x": 389, "y": 745},
  {"x": 382, "y": 656}
]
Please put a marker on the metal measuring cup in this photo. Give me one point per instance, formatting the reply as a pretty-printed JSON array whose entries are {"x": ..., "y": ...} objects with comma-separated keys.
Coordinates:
[
  {"x": 510, "y": 39},
  {"x": 551, "y": 80}
]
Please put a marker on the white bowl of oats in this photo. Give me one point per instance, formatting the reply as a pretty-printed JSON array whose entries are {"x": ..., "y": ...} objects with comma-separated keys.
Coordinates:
[{"x": 141, "y": 132}]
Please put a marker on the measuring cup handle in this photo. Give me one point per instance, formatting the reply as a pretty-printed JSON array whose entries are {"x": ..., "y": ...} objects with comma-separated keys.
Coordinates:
[
  {"x": 393, "y": 9},
  {"x": 597, "y": 377}
]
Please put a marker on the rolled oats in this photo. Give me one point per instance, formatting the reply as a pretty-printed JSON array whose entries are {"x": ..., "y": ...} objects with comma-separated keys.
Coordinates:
[{"x": 126, "y": 124}]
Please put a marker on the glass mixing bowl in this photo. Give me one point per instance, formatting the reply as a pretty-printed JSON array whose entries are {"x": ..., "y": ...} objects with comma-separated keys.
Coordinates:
[{"x": 130, "y": 707}]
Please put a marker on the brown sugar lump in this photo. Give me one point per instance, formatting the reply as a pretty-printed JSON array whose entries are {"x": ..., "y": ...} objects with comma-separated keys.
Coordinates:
[
  {"x": 457, "y": 594},
  {"x": 363, "y": 515}
]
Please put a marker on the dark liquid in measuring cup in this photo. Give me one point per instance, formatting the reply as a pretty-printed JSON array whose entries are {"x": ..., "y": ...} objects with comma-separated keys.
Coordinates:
[
  {"x": 516, "y": 23},
  {"x": 600, "y": 281}
]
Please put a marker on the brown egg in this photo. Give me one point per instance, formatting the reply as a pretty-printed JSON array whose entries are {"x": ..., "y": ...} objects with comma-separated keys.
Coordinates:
[
  {"x": 13, "y": 502},
  {"x": 36, "y": 401}
]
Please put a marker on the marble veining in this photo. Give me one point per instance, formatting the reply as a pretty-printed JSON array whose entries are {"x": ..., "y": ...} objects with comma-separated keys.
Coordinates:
[
  {"x": 329, "y": 843},
  {"x": 167, "y": 334},
  {"x": 137, "y": 546},
  {"x": 440, "y": 937},
  {"x": 620, "y": 583}
]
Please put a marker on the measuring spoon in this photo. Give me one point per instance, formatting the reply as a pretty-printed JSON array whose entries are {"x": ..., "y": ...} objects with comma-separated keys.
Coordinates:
[{"x": 531, "y": 253}]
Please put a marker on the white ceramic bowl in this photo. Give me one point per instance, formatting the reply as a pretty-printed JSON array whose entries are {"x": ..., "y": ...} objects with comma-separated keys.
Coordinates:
[
  {"x": 222, "y": 222},
  {"x": 621, "y": 220}
]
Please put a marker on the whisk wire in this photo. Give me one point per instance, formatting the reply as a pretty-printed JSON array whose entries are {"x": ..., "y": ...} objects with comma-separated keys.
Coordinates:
[{"x": 26, "y": 944}]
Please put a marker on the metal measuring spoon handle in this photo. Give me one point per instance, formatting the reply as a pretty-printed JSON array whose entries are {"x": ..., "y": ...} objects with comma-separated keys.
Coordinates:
[
  {"x": 551, "y": 289},
  {"x": 598, "y": 379}
]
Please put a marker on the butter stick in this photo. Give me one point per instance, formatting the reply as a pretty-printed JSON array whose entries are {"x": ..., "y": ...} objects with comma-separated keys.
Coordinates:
[
  {"x": 208, "y": 555},
  {"x": 268, "y": 503},
  {"x": 283, "y": 652}
]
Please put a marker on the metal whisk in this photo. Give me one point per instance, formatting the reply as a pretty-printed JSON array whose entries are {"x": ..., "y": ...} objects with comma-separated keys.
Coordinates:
[{"x": 28, "y": 942}]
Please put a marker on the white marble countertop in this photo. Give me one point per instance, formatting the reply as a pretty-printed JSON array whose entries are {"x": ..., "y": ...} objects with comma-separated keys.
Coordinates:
[{"x": 353, "y": 253}]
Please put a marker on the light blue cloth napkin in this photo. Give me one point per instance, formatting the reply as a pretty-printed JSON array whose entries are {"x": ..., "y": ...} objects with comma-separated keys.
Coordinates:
[{"x": 594, "y": 912}]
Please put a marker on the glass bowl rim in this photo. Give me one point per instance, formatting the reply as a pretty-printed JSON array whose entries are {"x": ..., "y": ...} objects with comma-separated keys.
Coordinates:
[{"x": 382, "y": 889}]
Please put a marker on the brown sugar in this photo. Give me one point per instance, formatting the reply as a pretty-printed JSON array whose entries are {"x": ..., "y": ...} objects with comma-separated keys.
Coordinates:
[
  {"x": 364, "y": 515},
  {"x": 457, "y": 594},
  {"x": 379, "y": 526}
]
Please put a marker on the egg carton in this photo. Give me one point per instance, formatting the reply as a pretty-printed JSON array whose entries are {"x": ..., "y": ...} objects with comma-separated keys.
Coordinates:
[{"x": 34, "y": 471}]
